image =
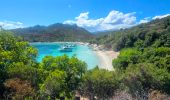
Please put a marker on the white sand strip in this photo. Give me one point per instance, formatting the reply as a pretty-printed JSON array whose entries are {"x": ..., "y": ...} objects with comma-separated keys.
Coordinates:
[{"x": 106, "y": 58}]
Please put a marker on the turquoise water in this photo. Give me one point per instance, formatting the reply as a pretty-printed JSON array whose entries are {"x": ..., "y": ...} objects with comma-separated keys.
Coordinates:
[{"x": 82, "y": 52}]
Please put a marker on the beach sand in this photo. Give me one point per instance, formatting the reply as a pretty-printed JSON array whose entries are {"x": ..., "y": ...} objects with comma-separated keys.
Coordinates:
[{"x": 105, "y": 56}]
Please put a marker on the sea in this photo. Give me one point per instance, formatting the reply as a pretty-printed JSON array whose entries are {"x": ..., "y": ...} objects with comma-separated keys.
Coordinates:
[{"x": 82, "y": 52}]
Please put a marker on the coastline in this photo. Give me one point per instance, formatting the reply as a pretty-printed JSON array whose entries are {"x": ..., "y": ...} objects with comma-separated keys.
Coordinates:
[
  {"x": 105, "y": 56},
  {"x": 54, "y": 42}
]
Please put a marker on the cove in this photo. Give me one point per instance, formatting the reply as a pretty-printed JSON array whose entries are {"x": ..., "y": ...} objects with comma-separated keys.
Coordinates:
[{"x": 82, "y": 52}]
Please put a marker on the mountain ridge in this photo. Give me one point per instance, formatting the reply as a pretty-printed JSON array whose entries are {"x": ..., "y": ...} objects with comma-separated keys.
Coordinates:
[
  {"x": 153, "y": 33},
  {"x": 53, "y": 33}
]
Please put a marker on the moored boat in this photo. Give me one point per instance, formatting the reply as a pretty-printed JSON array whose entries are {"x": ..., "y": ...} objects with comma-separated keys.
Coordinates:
[{"x": 65, "y": 48}]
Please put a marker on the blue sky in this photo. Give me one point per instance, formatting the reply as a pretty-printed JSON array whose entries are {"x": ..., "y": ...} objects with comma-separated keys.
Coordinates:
[{"x": 94, "y": 15}]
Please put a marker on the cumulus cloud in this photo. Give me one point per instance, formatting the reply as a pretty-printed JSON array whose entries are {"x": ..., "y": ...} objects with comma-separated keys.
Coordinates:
[
  {"x": 11, "y": 24},
  {"x": 160, "y": 16},
  {"x": 145, "y": 20},
  {"x": 113, "y": 21}
]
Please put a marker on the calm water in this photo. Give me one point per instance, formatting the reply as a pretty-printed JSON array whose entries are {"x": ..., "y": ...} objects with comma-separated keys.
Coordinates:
[{"x": 82, "y": 52}]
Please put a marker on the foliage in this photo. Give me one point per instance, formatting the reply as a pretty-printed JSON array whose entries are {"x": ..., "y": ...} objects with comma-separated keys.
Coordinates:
[
  {"x": 19, "y": 89},
  {"x": 126, "y": 57},
  {"x": 160, "y": 57},
  {"x": 14, "y": 50},
  {"x": 155, "y": 33},
  {"x": 54, "y": 85},
  {"x": 25, "y": 72},
  {"x": 142, "y": 66},
  {"x": 100, "y": 83},
  {"x": 141, "y": 78},
  {"x": 144, "y": 59},
  {"x": 53, "y": 77},
  {"x": 157, "y": 56},
  {"x": 71, "y": 70}
]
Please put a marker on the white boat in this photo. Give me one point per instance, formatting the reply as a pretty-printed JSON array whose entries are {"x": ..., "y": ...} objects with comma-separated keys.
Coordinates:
[
  {"x": 71, "y": 45},
  {"x": 65, "y": 48}
]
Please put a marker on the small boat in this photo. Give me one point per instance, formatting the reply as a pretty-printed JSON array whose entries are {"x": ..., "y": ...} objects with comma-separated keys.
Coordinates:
[
  {"x": 65, "y": 48},
  {"x": 72, "y": 45}
]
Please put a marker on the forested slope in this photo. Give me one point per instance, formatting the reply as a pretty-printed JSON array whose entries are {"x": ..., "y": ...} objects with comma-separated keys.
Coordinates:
[
  {"x": 144, "y": 60},
  {"x": 53, "y": 33},
  {"x": 155, "y": 33}
]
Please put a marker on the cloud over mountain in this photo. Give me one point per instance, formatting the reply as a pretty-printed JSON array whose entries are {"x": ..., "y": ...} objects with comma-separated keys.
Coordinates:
[
  {"x": 160, "y": 16},
  {"x": 113, "y": 21},
  {"x": 11, "y": 24},
  {"x": 145, "y": 20}
]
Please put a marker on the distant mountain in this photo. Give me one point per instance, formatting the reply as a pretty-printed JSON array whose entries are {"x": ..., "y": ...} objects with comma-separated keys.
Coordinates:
[
  {"x": 155, "y": 33},
  {"x": 53, "y": 33}
]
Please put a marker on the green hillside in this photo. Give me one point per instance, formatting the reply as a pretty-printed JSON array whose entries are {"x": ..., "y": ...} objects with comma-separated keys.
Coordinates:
[
  {"x": 53, "y": 33},
  {"x": 143, "y": 65},
  {"x": 155, "y": 33}
]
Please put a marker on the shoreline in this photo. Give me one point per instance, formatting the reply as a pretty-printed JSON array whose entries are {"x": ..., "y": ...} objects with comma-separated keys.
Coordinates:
[
  {"x": 59, "y": 42},
  {"x": 105, "y": 56}
]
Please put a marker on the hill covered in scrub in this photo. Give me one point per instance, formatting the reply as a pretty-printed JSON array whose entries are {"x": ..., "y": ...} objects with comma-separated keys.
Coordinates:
[
  {"x": 143, "y": 64},
  {"x": 142, "y": 70},
  {"x": 53, "y": 33},
  {"x": 155, "y": 33}
]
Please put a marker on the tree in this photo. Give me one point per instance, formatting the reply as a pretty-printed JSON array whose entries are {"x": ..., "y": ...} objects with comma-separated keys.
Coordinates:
[
  {"x": 72, "y": 67},
  {"x": 141, "y": 78},
  {"x": 14, "y": 50},
  {"x": 54, "y": 85},
  {"x": 100, "y": 83},
  {"x": 19, "y": 89},
  {"x": 25, "y": 72},
  {"x": 157, "y": 56},
  {"x": 126, "y": 57}
]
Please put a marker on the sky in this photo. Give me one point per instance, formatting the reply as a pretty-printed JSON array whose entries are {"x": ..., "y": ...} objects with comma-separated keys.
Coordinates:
[{"x": 93, "y": 15}]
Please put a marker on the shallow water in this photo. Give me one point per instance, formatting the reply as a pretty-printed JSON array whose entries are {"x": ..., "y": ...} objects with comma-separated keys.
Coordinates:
[{"x": 82, "y": 52}]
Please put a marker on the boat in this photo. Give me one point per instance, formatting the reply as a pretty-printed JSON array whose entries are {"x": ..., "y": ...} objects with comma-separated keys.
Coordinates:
[
  {"x": 72, "y": 45},
  {"x": 65, "y": 48}
]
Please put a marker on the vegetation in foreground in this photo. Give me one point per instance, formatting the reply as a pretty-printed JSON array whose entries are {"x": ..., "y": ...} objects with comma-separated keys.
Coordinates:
[
  {"x": 141, "y": 72},
  {"x": 23, "y": 78}
]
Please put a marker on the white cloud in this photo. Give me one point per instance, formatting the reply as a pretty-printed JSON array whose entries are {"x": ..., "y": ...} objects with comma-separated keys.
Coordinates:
[
  {"x": 145, "y": 20},
  {"x": 116, "y": 17},
  {"x": 160, "y": 16},
  {"x": 113, "y": 21},
  {"x": 11, "y": 25}
]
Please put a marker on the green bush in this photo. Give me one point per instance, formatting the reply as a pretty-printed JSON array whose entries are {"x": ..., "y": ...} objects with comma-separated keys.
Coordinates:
[
  {"x": 126, "y": 57},
  {"x": 141, "y": 78},
  {"x": 100, "y": 83}
]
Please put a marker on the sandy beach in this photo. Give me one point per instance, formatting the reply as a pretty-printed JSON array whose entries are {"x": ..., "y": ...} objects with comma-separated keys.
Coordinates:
[{"x": 105, "y": 56}]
